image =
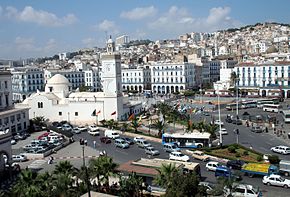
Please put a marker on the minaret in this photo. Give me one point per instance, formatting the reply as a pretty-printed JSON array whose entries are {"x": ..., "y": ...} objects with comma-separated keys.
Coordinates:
[{"x": 112, "y": 82}]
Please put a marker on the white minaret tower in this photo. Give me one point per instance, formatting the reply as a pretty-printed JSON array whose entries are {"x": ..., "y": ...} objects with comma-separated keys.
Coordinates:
[{"x": 112, "y": 82}]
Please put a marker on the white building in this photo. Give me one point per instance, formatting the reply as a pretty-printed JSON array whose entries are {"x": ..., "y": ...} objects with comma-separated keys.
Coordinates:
[
  {"x": 266, "y": 78},
  {"x": 63, "y": 56},
  {"x": 75, "y": 77},
  {"x": 25, "y": 81},
  {"x": 136, "y": 78},
  {"x": 93, "y": 79},
  {"x": 124, "y": 39},
  {"x": 226, "y": 70},
  {"x": 12, "y": 119},
  {"x": 57, "y": 103},
  {"x": 168, "y": 78}
]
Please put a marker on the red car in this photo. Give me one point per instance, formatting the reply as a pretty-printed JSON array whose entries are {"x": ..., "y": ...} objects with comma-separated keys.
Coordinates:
[
  {"x": 105, "y": 140},
  {"x": 43, "y": 135}
]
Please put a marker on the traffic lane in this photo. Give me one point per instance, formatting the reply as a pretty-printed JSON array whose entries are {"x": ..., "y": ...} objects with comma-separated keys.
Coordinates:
[{"x": 121, "y": 155}]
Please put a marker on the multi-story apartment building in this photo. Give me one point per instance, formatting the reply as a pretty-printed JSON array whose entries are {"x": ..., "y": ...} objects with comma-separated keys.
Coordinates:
[
  {"x": 25, "y": 81},
  {"x": 215, "y": 66},
  {"x": 172, "y": 77},
  {"x": 75, "y": 77},
  {"x": 12, "y": 119},
  {"x": 269, "y": 79},
  {"x": 93, "y": 79},
  {"x": 137, "y": 78}
]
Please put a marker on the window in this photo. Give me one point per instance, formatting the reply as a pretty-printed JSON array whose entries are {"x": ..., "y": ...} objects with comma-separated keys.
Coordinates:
[
  {"x": 40, "y": 105},
  {"x": 60, "y": 113},
  {"x": 76, "y": 113},
  {"x": 5, "y": 84}
]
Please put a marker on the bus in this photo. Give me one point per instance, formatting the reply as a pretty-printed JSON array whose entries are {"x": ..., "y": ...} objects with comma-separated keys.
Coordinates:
[
  {"x": 187, "y": 140},
  {"x": 262, "y": 102},
  {"x": 272, "y": 108},
  {"x": 248, "y": 104},
  {"x": 286, "y": 116},
  {"x": 233, "y": 106}
]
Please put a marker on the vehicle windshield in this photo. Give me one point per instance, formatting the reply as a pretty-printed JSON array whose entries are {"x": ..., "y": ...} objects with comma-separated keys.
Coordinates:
[
  {"x": 282, "y": 179},
  {"x": 145, "y": 142},
  {"x": 181, "y": 155}
]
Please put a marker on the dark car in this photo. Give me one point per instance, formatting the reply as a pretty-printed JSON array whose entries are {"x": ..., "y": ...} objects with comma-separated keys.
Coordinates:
[
  {"x": 20, "y": 136},
  {"x": 229, "y": 119},
  {"x": 237, "y": 121},
  {"x": 235, "y": 164},
  {"x": 105, "y": 140},
  {"x": 128, "y": 140}
]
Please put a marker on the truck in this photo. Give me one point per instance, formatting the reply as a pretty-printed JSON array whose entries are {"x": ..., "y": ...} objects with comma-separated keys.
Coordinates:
[
  {"x": 284, "y": 167},
  {"x": 259, "y": 169}
]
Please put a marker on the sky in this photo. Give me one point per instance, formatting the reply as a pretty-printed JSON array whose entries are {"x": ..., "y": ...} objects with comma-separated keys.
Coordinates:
[{"x": 39, "y": 28}]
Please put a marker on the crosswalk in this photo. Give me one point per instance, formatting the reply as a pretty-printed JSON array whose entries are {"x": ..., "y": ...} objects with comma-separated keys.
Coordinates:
[{"x": 37, "y": 164}]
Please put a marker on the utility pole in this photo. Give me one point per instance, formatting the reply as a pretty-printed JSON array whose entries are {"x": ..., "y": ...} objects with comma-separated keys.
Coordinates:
[
  {"x": 86, "y": 171},
  {"x": 220, "y": 125},
  {"x": 237, "y": 98}
]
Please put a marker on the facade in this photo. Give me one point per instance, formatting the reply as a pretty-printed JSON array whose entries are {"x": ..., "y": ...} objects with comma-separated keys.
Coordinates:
[
  {"x": 266, "y": 77},
  {"x": 75, "y": 77},
  {"x": 25, "y": 81},
  {"x": 93, "y": 79},
  {"x": 136, "y": 78},
  {"x": 122, "y": 40},
  {"x": 57, "y": 103},
  {"x": 226, "y": 70},
  {"x": 167, "y": 78},
  {"x": 12, "y": 119}
]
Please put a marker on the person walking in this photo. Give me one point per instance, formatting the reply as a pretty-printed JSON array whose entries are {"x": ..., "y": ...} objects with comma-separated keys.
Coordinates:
[
  {"x": 86, "y": 142},
  {"x": 95, "y": 144}
]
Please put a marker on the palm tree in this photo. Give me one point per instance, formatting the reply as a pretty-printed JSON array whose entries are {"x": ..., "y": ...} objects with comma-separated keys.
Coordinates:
[
  {"x": 125, "y": 127},
  {"x": 131, "y": 186},
  {"x": 166, "y": 175},
  {"x": 64, "y": 167},
  {"x": 103, "y": 122},
  {"x": 27, "y": 186},
  {"x": 135, "y": 124},
  {"x": 159, "y": 126},
  {"x": 102, "y": 168},
  {"x": 111, "y": 123},
  {"x": 233, "y": 78},
  {"x": 64, "y": 185},
  {"x": 211, "y": 128},
  {"x": 39, "y": 121}
]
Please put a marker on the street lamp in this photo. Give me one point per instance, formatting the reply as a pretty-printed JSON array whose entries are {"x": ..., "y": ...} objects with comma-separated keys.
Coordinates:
[
  {"x": 220, "y": 125},
  {"x": 86, "y": 171}
]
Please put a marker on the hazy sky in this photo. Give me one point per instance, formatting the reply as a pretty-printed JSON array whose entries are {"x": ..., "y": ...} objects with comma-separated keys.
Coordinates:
[{"x": 38, "y": 28}]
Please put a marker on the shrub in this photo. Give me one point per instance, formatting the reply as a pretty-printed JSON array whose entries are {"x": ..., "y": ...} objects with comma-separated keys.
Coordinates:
[
  {"x": 246, "y": 153},
  {"x": 274, "y": 159},
  {"x": 238, "y": 155},
  {"x": 232, "y": 149},
  {"x": 259, "y": 158}
]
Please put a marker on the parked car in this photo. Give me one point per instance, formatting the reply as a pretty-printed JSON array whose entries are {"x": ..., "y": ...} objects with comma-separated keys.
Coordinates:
[
  {"x": 13, "y": 142},
  {"x": 94, "y": 130},
  {"x": 76, "y": 130},
  {"x": 66, "y": 127},
  {"x": 121, "y": 143},
  {"x": 200, "y": 155},
  {"x": 128, "y": 140},
  {"x": 210, "y": 189},
  {"x": 111, "y": 134},
  {"x": 82, "y": 128},
  {"x": 105, "y": 140},
  {"x": 151, "y": 151},
  {"x": 30, "y": 146},
  {"x": 229, "y": 119},
  {"x": 235, "y": 164},
  {"x": 242, "y": 190},
  {"x": 178, "y": 156},
  {"x": 19, "y": 158},
  {"x": 138, "y": 138},
  {"x": 281, "y": 149},
  {"x": 276, "y": 180},
  {"x": 212, "y": 165},
  {"x": 143, "y": 143}
]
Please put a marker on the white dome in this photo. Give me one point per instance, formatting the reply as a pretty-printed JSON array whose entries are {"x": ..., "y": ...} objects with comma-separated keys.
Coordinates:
[
  {"x": 110, "y": 41},
  {"x": 58, "y": 79}
]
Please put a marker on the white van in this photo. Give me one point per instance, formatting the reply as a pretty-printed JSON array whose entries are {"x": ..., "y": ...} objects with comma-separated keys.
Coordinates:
[
  {"x": 170, "y": 147},
  {"x": 112, "y": 134}
]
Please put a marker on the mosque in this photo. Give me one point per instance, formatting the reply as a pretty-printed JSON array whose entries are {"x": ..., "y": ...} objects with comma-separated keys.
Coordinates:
[{"x": 58, "y": 103}]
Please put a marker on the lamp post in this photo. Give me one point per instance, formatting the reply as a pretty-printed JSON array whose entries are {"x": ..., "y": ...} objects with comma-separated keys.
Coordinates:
[
  {"x": 86, "y": 171},
  {"x": 220, "y": 125}
]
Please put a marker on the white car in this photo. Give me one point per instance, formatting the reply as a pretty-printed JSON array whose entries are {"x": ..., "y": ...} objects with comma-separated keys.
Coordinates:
[
  {"x": 276, "y": 180},
  {"x": 151, "y": 151},
  {"x": 19, "y": 158},
  {"x": 82, "y": 129},
  {"x": 13, "y": 142},
  {"x": 178, "y": 156},
  {"x": 94, "y": 130},
  {"x": 223, "y": 131},
  {"x": 76, "y": 130},
  {"x": 138, "y": 138},
  {"x": 281, "y": 149},
  {"x": 212, "y": 165},
  {"x": 242, "y": 190},
  {"x": 217, "y": 122}
]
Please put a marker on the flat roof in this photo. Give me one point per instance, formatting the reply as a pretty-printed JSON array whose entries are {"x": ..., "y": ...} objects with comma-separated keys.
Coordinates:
[{"x": 139, "y": 170}]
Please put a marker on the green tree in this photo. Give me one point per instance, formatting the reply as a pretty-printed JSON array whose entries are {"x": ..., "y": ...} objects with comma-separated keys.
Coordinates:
[
  {"x": 63, "y": 185},
  {"x": 39, "y": 121},
  {"x": 211, "y": 128},
  {"x": 135, "y": 124},
  {"x": 84, "y": 88},
  {"x": 103, "y": 122},
  {"x": 159, "y": 126},
  {"x": 65, "y": 167},
  {"x": 233, "y": 78},
  {"x": 166, "y": 175},
  {"x": 125, "y": 126},
  {"x": 131, "y": 186}
]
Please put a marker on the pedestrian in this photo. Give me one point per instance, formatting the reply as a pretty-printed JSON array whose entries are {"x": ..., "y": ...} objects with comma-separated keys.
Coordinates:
[
  {"x": 86, "y": 142},
  {"x": 95, "y": 144},
  {"x": 266, "y": 130}
]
